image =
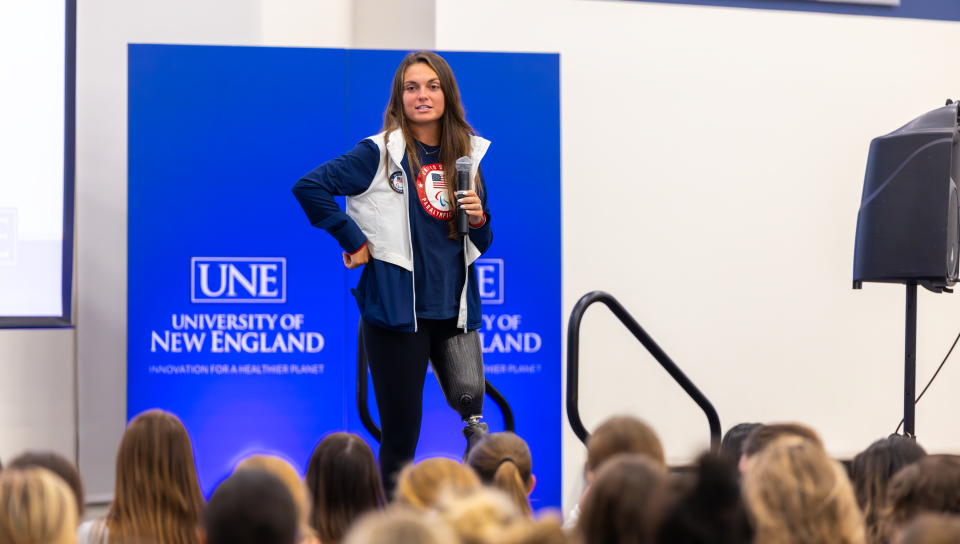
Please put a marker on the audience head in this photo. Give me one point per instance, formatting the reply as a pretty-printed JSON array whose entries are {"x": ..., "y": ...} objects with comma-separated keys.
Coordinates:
[
  {"x": 344, "y": 484},
  {"x": 59, "y": 465},
  {"x": 399, "y": 527},
  {"x": 156, "y": 493},
  {"x": 486, "y": 516},
  {"x": 625, "y": 502},
  {"x": 872, "y": 470},
  {"x": 36, "y": 507},
  {"x": 765, "y": 434},
  {"x": 932, "y": 529},
  {"x": 502, "y": 460},
  {"x": 422, "y": 484},
  {"x": 285, "y": 472},
  {"x": 622, "y": 434},
  {"x": 798, "y": 495},
  {"x": 930, "y": 484},
  {"x": 251, "y": 507},
  {"x": 711, "y": 510},
  {"x": 731, "y": 447}
]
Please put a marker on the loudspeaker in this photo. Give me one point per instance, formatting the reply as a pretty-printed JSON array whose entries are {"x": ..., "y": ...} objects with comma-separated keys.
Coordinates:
[{"x": 907, "y": 228}]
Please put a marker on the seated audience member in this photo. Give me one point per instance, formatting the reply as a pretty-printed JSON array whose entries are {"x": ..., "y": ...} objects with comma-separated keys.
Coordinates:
[
  {"x": 399, "y": 527},
  {"x": 798, "y": 495},
  {"x": 285, "y": 472},
  {"x": 930, "y": 484},
  {"x": 618, "y": 434},
  {"x": 626, "y": 501},
  {"x": 502, "y": 460},
  {"x": 422, "y": 484},
  {"x": 36, "y": 507},
  {"x": 344, "y": 484},
  {"x": 59, "y": 465},
  {"x": 765, "y": 434},
  {"x": 871, "y": 471},
  {"x": 156, "y": 498},
  {"x": 709, "y": 510},
  {"x": 486, "y": 516},
  {"x": 932, "y": 529},
  {"x": 251, "y": 507},
  {"x": 731, "y": 447}
]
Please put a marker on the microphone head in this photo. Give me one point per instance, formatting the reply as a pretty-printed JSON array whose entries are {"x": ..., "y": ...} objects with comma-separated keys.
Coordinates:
[{"x": 464, "y": 164}]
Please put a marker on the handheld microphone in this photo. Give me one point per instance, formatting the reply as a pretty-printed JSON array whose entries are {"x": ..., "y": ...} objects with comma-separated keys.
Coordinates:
[{"x": 464, "y": 164}]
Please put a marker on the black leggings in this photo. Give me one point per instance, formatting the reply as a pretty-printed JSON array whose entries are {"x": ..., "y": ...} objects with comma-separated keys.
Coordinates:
[{"x": 398, "y": 367}]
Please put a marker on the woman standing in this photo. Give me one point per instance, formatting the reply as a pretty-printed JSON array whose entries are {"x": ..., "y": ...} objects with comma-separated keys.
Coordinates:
[{"x": 418, "y": 294}]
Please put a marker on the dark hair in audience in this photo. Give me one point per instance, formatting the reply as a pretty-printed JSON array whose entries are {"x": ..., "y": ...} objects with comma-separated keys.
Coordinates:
[
  {"x": 344, "y": 484},
  {"x": 251, "y": 507},
  {"x": 930, "y": 484},
  {"x": 623, "y": 434},
  {"x": 59, "y": 465},
  {"x": 732, "y": 445},
  {"x": 932, "y": 529},
  {"x": 765, "y": 434},
  {"x": 711, "y": 511},
  {"x": 871, "y": 471},
  {"x": 503, "y": 460},
  {"x": 156, "y": 497},
  {"x": 625, "y": 502}
]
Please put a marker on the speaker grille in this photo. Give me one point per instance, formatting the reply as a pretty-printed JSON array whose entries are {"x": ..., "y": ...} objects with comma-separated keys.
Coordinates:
[{"x": 953, "y": 236}]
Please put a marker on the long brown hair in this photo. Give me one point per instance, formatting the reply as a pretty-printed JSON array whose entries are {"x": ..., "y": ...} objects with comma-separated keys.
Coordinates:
[
  {"x": 344, "y": 484},
  {"x": 455, "y": 132},
  {"x": 503, "y": 461},
  {"x": 626, "y": 502},
  {"x": 929, "y": 484},
  {"x": 157, "y": 497},
  {"x": 871, "y": 472}
]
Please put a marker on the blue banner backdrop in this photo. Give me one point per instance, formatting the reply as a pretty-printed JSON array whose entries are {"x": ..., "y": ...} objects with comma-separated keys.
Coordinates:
[{"x": 240, "y": 319}]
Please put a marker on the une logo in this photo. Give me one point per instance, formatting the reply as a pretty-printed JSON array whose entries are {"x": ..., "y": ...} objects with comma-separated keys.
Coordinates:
[
  {"x": 490, "y": 280},
  {"x": 249, "y": 280}
]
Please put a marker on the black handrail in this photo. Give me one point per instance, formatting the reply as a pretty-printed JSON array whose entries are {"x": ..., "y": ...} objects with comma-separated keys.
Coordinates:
[
  {"x": 573, "y": 365},
  {"x": 364, "y": 408}
]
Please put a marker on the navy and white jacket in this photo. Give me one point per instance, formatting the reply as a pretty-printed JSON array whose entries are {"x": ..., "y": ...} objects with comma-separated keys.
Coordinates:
[{"x": 378, "y": 214}]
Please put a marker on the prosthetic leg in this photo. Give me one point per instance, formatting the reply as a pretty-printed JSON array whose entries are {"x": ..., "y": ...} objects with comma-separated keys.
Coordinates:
[{"x": 458, "y": 365}]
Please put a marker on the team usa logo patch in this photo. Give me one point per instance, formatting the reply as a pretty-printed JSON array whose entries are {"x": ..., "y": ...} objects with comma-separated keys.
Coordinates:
[
  {"x": 432, "y": 190},
  {"x": 396, "y": 181}
]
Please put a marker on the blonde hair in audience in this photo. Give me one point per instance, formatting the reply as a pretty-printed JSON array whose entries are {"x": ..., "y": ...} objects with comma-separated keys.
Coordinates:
[
  {"x": 422, "y": 484},
  {"x": 932, "y": 529},
  {"x": 36, "y": 507},
  {"x": 399, "y": 527},
  {"x": 291, "y": 479},
  {"x": 157, "y": 497},
  {"x": 503, "y": 461},
  {"x": 798, "y": 495},
  {"x": 486, "y": 516}
]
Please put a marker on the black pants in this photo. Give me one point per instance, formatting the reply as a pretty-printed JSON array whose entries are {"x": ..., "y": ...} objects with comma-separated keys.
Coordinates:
[{"x": 398, "y": 367}]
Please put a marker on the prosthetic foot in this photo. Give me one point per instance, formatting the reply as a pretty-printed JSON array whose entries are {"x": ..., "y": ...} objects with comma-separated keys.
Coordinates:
[{"x": 474, "y": 433}]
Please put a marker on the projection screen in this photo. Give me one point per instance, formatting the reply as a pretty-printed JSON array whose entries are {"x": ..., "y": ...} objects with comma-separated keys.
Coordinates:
[{"x": 37, "y": 68}]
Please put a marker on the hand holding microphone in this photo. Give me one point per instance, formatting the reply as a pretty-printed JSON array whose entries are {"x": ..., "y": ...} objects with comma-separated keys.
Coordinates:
[{"x": 467, "y": 200}]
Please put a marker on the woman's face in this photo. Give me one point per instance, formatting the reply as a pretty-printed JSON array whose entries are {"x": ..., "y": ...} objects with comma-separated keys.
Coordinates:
[{"x": 422, "y": 95}]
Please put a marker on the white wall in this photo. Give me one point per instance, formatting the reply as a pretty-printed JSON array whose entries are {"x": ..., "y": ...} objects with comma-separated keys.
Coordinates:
[
  {"x": 731, "y": 146},
  {"x": 37, "y": 396}
]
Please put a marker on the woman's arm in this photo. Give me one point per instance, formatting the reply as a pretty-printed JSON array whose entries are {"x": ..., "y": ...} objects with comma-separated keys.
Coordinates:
[{"x": 348, "y": 174}]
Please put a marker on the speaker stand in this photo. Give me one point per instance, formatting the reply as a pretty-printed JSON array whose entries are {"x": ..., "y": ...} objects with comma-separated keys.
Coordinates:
[{"x": 910, "y": 364}]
